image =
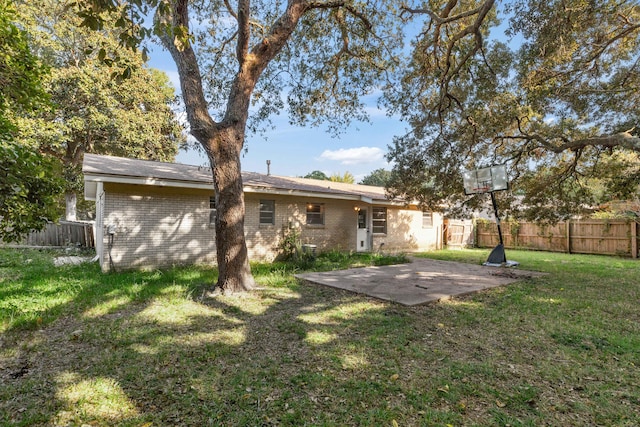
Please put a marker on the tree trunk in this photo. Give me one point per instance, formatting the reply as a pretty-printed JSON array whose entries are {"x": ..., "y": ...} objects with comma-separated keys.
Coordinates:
[
  {"x": 234, "y": 272},
  {"x": 223, "y": 140},
  {"x": 70, "y": 199}
]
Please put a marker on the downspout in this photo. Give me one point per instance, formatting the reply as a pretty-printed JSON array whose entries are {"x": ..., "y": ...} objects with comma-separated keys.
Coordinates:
[{"x": 98, "y": 231}]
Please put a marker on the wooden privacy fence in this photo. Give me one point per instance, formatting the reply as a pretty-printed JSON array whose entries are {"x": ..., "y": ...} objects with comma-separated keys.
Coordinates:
[
  {"x": 63, "y": 234},
  {"x": 606, "y": 237}
]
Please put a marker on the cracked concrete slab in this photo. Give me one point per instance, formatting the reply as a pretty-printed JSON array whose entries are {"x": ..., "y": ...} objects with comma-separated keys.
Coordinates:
[{"x": 419, "y": 282}]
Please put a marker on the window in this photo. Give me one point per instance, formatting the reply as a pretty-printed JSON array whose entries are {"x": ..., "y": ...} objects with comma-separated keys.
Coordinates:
[
  {"x": 427, "y": 219},
  {"x": 315, "y": 214},
  {"x": 380, "y": 220},
  {"x": 362, "y": 219},
  {"x": 267, "y": 212},
  {"x": 212, "y": 210}
]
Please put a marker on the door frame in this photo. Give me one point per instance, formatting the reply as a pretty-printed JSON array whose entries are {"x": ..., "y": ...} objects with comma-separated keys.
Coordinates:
[{"x": 363, "y": 230}]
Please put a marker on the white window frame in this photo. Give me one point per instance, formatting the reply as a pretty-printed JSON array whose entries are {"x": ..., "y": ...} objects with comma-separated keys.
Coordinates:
[
  {"x": 267, "y": 216},
  {"x": 378, "y": 221},
  {"x": 311, "y": 214}
]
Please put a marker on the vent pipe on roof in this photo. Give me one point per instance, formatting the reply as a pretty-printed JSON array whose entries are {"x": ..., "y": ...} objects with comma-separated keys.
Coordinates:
[{"x": 268, "y": 167}]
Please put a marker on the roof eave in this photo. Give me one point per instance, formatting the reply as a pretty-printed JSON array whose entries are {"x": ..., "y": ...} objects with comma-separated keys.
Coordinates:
[{"x": 119, "y": 179}]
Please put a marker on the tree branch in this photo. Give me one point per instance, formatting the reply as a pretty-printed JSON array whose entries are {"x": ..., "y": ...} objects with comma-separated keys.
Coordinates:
[
  {"x": 474, "y": 30},
  {"x": 230, "y": 9},
  {"x": 440, "y": 24},
  {"x": 190, "y": 78},
  {"x": 621, "y": 139},
  {"x": 444, "y": 18},
  {"x": 341, "y": 4},
  {"x": 244, "y": 31}
]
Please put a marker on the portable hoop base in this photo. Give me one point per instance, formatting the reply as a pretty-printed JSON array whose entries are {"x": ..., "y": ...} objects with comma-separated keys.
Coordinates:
[
  {"x": 497, "y": 255},
  {"x": 497, "y": 258}
]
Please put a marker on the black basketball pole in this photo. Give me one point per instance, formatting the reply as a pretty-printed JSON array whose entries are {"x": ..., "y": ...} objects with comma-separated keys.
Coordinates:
[
  {"x": 497, "y": 255},
  {"x": 489, "y": 180},
  {"x": 495, "y": 212}
]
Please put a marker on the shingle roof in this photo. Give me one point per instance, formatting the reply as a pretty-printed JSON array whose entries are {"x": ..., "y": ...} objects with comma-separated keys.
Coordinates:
[
  {"x": 95, "y": 164},
  {"x": 110, "y": 168}
]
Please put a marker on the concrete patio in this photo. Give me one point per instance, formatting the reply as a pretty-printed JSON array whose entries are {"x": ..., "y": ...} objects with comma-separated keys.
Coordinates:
[{"x": 420, "y": 281}]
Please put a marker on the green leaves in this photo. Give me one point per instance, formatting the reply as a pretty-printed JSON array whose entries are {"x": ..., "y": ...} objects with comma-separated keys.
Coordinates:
[
  {"x": 378, "y": 178},
  {"x": 28, "y": 187},
  {"x": 91, "y": 21},
  {"x": 20, "y": 70},
  {"x": 105, "y": 99},
  {"x": 550, "y": 101},
  {"x": 28, "y": 191}
]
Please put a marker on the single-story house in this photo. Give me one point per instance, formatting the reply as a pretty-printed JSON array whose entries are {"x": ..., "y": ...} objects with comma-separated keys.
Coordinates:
[{"x": 152, "y": 214}]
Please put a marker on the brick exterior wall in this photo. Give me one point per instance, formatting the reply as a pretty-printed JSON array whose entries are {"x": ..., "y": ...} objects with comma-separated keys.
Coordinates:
[
  {"x": 338, "y": 231},
  {"x": 161, "y": 226},
  {"x": 157, "y": 227}
]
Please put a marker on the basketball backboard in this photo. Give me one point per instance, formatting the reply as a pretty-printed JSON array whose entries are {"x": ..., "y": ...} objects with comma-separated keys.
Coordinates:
[{"x": 485, "y": 180}]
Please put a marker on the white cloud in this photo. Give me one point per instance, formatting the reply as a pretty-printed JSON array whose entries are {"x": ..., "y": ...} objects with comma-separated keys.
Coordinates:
[
  {"x": 353, "y": 156},
  {"x": 375, "y": 111}
]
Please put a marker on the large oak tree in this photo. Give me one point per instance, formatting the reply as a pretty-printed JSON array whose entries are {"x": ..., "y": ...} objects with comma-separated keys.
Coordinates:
[
  {"x": 91, "y": 111},
  {"x": 550, "y": 89},
  {"x": 241, "y": 61}
]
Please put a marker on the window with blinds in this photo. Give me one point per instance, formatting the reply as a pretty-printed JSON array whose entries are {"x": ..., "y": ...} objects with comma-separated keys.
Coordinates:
[
  {"x": 315, "y": 214},
  {"x": 267, "y": 212},
  {"x": 379, "y": 219},
  {"x": 427, "y": 219}
]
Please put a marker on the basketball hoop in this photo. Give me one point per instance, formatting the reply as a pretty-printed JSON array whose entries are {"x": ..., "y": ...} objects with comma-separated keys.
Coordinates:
[
  {"x": 485, "y": 180},
  {"x": 489, "y": 180}
]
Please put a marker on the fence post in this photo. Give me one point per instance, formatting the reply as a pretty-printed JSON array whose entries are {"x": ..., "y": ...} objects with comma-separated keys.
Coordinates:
[
  {"x": 634, "y": 239},
  {"x": 476, "y": 233},
  {"x": 568, "y": 236},
  {"x": 86, "y": 230}
]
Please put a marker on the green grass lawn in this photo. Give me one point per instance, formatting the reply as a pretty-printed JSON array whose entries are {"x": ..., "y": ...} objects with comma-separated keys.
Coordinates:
[{"x": 145, "y": 349}]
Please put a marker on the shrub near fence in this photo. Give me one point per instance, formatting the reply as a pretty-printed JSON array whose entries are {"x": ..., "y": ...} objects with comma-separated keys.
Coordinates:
[
  {"x": 63, "y": 234},
  {"x": 605, "y": 237}
]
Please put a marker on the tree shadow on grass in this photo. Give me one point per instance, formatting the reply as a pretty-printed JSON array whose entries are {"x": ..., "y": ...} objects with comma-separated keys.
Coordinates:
[
  {"x": 34, "y": 292},
  {"x": 134, "y": 348},
  {"x": 154, "y": 351}
]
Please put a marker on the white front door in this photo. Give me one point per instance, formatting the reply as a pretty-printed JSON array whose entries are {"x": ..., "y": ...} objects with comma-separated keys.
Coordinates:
[{"x": 362, "y": 234}]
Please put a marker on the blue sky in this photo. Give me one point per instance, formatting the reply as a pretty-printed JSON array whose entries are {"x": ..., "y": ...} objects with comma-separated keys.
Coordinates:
[{"x": 296, "y": 151}]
